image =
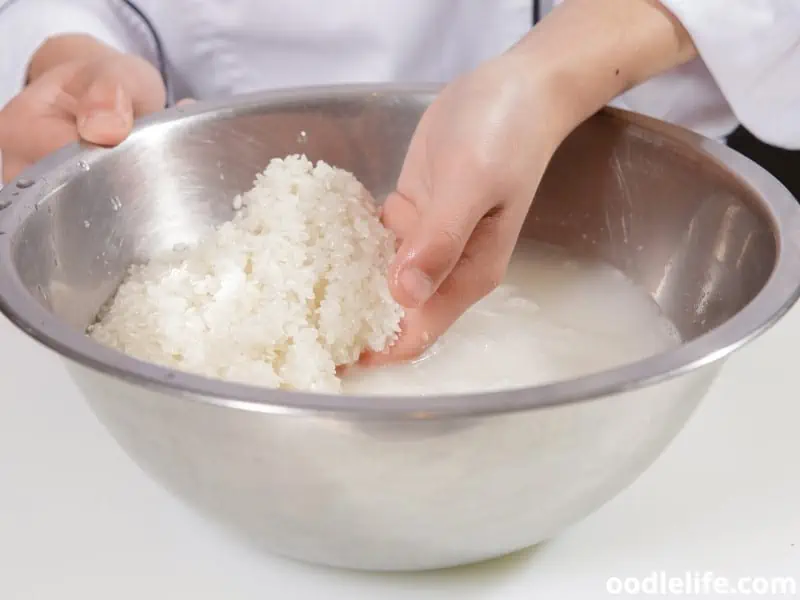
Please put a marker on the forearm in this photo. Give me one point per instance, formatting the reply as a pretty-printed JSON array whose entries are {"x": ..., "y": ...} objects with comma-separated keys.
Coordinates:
[
  {"x": 65, "y": 48},
  {"x": 591, "y": 51}
]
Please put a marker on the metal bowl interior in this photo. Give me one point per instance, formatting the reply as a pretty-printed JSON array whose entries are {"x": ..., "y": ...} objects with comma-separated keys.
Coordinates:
[
  {"x": 699, "y": 227},
  {"x": 399, "y": 483}
]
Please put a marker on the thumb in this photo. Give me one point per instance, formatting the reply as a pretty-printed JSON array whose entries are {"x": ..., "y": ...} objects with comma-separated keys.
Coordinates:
[
  {"x": 427, "y": 256},
  {"x": 105, "y": 112}
]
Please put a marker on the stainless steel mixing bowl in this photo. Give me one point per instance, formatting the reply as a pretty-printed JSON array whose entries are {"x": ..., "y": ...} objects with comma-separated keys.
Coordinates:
[{"x": 399, "y": 483}]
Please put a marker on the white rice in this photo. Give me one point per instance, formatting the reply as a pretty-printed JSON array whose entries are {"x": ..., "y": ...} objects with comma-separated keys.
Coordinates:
[{"x": 290, "y": 288}]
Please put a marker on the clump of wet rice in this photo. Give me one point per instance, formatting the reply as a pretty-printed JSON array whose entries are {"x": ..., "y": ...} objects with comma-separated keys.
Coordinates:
[{"x": 292, "y": 287}]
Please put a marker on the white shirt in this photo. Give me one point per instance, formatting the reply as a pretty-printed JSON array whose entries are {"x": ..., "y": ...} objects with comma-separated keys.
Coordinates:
[{"x": 749, "y": 70}]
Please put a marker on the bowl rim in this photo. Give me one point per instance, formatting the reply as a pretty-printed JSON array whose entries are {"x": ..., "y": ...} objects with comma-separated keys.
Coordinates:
[{"x": 772, "y": 302}]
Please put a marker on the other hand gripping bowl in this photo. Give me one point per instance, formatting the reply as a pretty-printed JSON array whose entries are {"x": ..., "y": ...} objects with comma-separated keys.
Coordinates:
[{"x": 399, "y": 483}]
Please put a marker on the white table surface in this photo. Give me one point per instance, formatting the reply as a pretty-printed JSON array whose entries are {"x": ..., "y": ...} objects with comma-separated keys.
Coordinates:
[{"x": 79, "y": 520}]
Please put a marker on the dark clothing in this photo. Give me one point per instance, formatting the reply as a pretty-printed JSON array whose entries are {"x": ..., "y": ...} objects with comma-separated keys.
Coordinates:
[{"x": 783, "y": 164}]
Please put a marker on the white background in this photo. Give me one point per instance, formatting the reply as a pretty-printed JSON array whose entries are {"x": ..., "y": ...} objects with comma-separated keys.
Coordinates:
[{"x": 79, "y": 520}]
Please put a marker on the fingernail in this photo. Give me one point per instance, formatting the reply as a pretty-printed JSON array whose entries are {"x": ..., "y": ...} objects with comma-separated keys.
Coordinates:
[
  {"x": 104, "y": 120},
  {"x": 416, "y": 284}
]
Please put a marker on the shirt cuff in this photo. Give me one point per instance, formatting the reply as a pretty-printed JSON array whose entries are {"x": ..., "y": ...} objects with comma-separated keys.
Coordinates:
[
  {"x": 751, "y": 50},
  {"x": 686, "y": 96}
]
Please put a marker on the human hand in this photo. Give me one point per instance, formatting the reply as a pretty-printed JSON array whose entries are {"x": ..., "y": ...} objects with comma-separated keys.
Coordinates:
[
  {"x": 94, "y": 94},
  {"x": 481, "y": 148},
  {"x": 470, "y": 175}
]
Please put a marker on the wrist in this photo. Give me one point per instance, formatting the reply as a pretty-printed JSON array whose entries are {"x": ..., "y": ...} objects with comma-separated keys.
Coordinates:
[
  {"x": 62, "y": 49},
  {"x": 588, "y": 52}
]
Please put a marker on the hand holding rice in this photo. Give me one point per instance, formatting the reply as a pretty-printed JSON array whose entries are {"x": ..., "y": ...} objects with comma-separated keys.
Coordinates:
[{"x": 292, "y": 287}]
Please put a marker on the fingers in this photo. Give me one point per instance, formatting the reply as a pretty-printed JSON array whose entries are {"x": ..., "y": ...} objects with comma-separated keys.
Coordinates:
[
  {"x": 453, "y": 250},
  {"x": 12, "y": 167},
  {"x": 111, "y": 94},
  {"x": 96, "y": 101},
  {"x": 478, "y": 271},
  {"x": 26, "y": 138},
  {"x": 105, "y": 112},
  {"x": 400, "y": 216},
  {"x": 431, "y": 245}
]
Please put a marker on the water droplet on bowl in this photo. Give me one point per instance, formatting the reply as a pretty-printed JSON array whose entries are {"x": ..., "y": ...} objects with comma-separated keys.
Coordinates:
[
  {"x": 24, "y": 183},
  {"x": 87, "y": 224},
  {"x": 4, "y": 204},
  {"x": 116, "y": 203},
  {"x": 83, "y": 165}
]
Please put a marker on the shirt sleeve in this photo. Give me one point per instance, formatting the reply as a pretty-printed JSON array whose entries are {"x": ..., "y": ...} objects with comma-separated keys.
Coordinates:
[
  {"x": 748, "y": 70},
  {"x": 26, "y": 24}
]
